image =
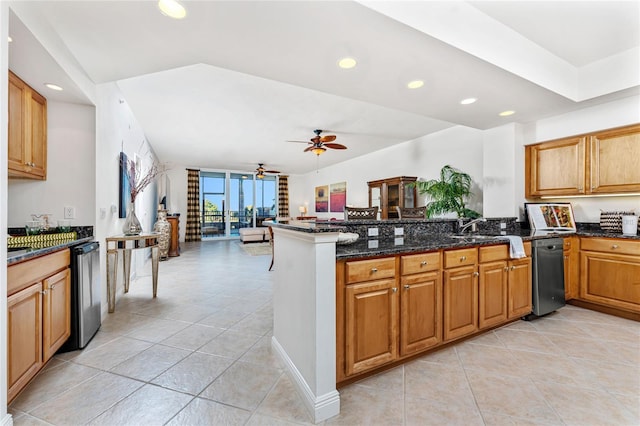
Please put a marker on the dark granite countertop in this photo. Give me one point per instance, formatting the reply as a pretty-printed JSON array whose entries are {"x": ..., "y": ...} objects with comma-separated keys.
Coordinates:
[
  {"x": 20, "y": 254},
  {"x": 372, "y": 247}
]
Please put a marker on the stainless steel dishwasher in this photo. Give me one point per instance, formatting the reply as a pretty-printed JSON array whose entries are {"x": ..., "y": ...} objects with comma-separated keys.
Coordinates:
[
  {"x": 548, "y": 276},
  {"x": 85, "y": 295}
]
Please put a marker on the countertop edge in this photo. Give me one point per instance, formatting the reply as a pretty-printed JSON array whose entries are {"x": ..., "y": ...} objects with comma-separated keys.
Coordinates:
[{"x": 12, "y": 260}]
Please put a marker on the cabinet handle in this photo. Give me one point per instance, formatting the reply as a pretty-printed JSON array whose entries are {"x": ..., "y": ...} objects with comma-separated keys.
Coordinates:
[
  {"x": 43, "y": 292},
  {"x": 407, "y": 287},
  {"x": 463, "y": 258},
  {"x": 476, "y": 274},
  {"x": 424, "y": 262},
  {"x": 373, "y": 270},
  {"x": 506, "y": 268},
  {"x": 513, "y": 268},
  {"x": 615, "y": 246},
  {"x": 52, "y": 286},
  {"x": 394, "y": 289}
]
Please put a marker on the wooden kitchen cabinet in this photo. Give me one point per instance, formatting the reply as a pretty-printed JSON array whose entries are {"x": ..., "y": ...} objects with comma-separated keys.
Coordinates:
[
  {"x": 610, "y": 272},
  {"x": 614, "y": 161},
  {"x": 504, "y": 286},
  {"x": 367, "y": 314},
  {"x": 460, "y": 293},
  {"x": 597, "y": 163},
  {"x": 389, "y": 193},
  {"x": 420, "y": 302},
  {"x": 38, "y": 320},
  {"x": 371, "y": 324},
  {"x": 571, "y": 267},
  {"x": 27, "y": 135},
  {"x": 492, "y": 293}
]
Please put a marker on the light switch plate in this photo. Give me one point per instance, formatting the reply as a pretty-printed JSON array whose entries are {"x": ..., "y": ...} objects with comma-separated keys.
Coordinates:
[
  {"x": 372, "y": 244},
  {"x": 398, "y": 231},
  {"x": 372, "y": 232}
]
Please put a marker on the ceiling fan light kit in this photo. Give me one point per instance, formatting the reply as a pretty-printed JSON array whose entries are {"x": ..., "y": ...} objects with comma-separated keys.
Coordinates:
[
  {"x": 319, "y": 144},
  {"x": 260, "y": 171}
]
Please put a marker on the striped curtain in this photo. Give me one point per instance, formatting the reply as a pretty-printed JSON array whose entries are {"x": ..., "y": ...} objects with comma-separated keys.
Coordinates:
[
  {"x": 193, "y": 231},
  {"x": 283, "y": 196}
]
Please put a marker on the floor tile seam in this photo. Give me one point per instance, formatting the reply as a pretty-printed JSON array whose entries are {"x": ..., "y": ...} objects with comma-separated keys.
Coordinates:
[
  {"x": 156, "y": 376},
  {"x": 271, "y": 389},
  {"x": 537, "y": 388},
  {"x": 118, "y": 401},
  {"x": 469, "y": 387},
  {"x": 617, "y": 364},
  {"x": 40, "y": 403},
  {"x": 590, "y": 385},
  {"x": 181, "y": 409},
  {"x": 31, "y": 416}
]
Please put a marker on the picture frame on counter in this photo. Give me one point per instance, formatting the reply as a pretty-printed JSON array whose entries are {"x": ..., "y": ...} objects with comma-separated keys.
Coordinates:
[{"x": 551, "y": 216}]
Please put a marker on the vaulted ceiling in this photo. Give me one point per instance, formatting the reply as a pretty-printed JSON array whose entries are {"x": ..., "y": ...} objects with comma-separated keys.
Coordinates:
[{"x": 230, "y": 84}]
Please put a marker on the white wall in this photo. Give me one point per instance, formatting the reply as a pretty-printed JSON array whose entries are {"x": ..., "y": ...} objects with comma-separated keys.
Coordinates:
[
  {"x": 177, "y": 200},
  {"x": 613, "y": 114},
  {"x": 5, "y": 419},
  {"x": 460, "y": 147},
  {"x": 117, "y": 130},
  {"x": 71, "y": 165},
  {"x": 499, "y": 168}
]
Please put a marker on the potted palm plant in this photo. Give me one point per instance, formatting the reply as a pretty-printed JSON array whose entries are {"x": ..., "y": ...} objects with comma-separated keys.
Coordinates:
[{"x": 448, "y": 194}]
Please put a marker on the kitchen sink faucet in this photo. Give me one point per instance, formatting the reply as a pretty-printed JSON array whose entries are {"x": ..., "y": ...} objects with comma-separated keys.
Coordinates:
[{"x": 473, "y": 224}]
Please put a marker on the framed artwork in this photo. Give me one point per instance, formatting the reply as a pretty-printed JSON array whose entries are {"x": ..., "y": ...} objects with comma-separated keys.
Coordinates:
[
  {"x": 551, "y": 216},
  {"x": 125, "y": 193},
  {"x": 322, "y": 199},
  {"x": 337, "y": 196}
]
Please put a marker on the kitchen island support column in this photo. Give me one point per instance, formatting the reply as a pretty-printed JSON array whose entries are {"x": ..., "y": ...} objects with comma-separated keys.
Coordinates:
[{"x": 304, "y": 316}]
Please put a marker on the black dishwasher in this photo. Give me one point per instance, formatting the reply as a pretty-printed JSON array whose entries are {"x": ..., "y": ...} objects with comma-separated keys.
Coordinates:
[{"x": 548, "y": 276}]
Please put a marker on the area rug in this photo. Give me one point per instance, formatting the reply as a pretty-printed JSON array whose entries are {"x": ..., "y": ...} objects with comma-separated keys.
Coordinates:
[{"x": 256, "y": 249}]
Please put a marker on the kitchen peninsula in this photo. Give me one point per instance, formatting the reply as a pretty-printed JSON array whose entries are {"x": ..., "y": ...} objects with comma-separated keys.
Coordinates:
[{"x": 317, "y": 282}]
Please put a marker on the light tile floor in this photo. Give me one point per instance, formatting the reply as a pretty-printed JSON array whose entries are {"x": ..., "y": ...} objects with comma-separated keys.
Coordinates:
[{"x": 200, "y": 354}]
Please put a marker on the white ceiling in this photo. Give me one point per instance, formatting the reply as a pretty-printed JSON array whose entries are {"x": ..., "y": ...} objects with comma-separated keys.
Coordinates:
[{"x": 230, "y": 84}]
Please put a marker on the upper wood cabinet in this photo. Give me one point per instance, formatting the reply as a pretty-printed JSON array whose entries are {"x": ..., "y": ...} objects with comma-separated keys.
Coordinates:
[
  {"x": 598, "y": 163},
  {"x": 389, "y": 193},
  {"x": 27, "y": 138}
]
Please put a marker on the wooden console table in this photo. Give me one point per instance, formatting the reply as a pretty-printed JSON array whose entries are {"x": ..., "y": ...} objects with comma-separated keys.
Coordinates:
[{"x": 128, "y": 243}]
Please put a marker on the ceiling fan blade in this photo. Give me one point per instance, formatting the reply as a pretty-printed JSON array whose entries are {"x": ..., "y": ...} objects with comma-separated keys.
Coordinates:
[
  {"x": 328, "y": 138},
  {"x": 309, "y": 148},
  {"x": 272, "y": 171},
  {"x": 334, "y": 146},
  {"x": 299, "y": 141}
]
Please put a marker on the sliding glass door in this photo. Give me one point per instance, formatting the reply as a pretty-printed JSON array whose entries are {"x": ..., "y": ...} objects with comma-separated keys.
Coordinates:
[{"x": 231, "y": 201}]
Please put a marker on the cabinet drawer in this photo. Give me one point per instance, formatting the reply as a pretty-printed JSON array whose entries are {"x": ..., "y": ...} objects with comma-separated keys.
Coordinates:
[
  {"x": 500, "y": 252},
  {"x": 610, "y": 245},
  {"x": 374, "y": 269},
  {"x": 461, "y": 257},
  {"x": 423, "y": 262},
  {"x": 21, "y": 275}
]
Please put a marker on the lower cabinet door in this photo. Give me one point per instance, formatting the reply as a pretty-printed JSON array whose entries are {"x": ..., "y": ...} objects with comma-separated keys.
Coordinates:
[
  {"x": 519, "y": 287},
  {"x": 56, "y": 312},
  {"x": 492, "y": 297},
  {"x": 420, "y": 312},
  {"x": 371, "y": 325},
  {"x": 460, "y": 288},
  {"x": 610, "y": 279},
  {"x": 24, "y": 337}
]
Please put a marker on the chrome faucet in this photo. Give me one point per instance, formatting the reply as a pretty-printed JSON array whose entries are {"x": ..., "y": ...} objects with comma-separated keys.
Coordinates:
[{"x": 473, "y": 224}]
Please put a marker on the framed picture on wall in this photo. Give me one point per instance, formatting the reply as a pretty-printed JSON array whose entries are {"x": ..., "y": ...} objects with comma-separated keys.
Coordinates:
[
  {"x": 125, "y": 193},
  {"x": 337, "y": 196},
  {"x": 322, "y": 199}
]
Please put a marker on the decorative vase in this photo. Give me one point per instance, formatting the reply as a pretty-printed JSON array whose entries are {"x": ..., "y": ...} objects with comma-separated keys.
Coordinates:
[
  {"x": 131, "y": 223},
  {"x": 163, "y": 227}
]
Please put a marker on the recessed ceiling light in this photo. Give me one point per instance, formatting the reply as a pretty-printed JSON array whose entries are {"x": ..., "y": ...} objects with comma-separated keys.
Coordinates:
[
  {"x": 347, "y": 63},
  {"x": 415, "y": 84},
  {"x": 53, "y": 86},
  {"x": 10, "y": 39},
  {"x": 468, "y": 101},
  {"x": 506, "y": 113},
  {"x": 172, "y": 9}
]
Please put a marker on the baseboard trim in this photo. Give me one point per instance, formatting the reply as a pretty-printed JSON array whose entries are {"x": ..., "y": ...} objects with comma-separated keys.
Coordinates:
[
  {"x": 7, "y": 420},
  {"x": 320, "y": 407}
]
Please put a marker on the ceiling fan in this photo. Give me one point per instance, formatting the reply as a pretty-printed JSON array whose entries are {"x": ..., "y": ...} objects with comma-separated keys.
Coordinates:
[
  {"x": 319, "y": 144},
  {"x": 260, "y": 171}
]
